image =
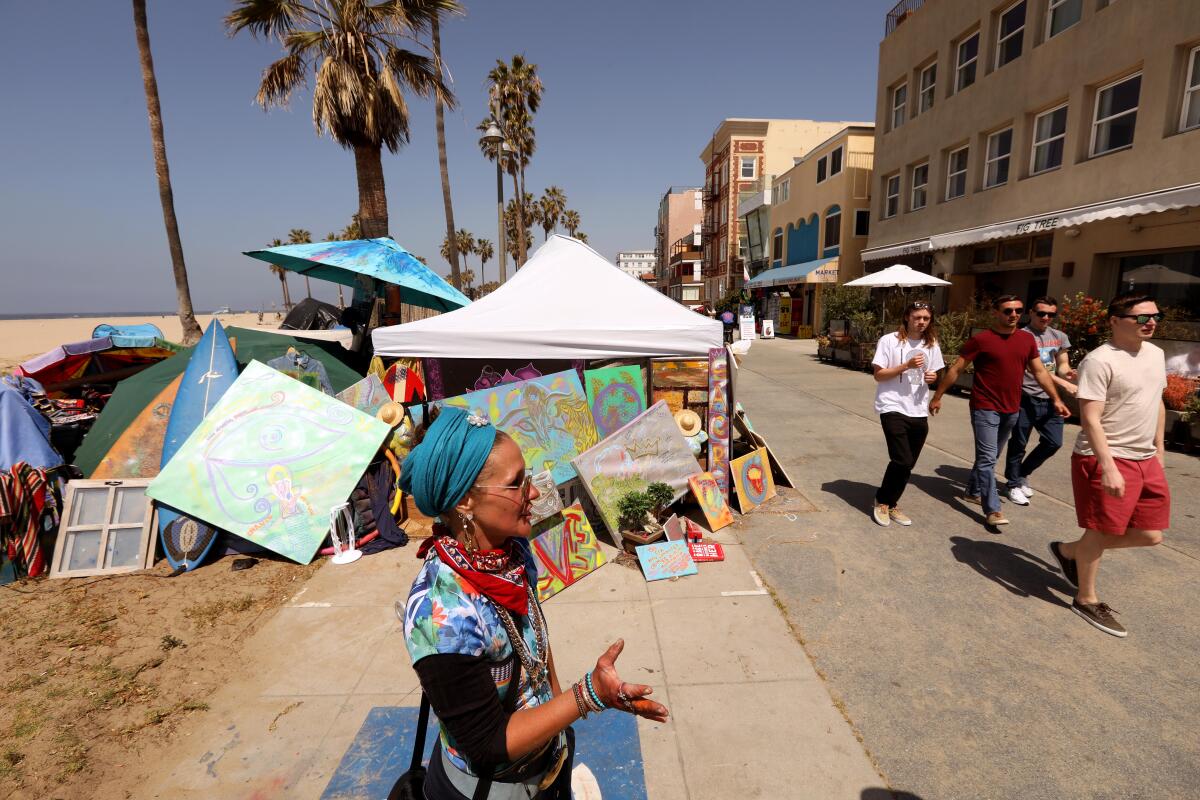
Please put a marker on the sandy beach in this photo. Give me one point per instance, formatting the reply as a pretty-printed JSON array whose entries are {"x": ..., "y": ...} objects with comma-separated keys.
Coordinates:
[{"x": 21, "y": 339}]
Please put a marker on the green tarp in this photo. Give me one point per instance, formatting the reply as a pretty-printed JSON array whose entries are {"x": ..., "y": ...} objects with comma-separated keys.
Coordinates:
[{"x": 133, "y": 394}]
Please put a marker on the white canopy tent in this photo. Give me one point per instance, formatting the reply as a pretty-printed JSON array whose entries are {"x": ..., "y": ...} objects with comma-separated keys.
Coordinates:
[{"x": 567, "y": 301}]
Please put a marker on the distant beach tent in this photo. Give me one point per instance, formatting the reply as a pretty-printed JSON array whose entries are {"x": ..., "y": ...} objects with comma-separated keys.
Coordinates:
[
  {"x": 567, "y": 301},
  {"x": 343, "y": 261}
]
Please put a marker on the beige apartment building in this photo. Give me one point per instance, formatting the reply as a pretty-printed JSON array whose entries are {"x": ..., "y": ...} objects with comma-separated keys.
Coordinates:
[
  {"x": 738, "y": 153},
  {"x": 808, "y": 227},
  {"x": 680, "y": 212},
  {"x": 1041, "y": 146}
]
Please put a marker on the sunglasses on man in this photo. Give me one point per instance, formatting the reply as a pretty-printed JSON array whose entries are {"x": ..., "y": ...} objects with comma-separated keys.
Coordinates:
[
  {"x": 1144, "y": 319},
  {"x": 1010, "y": 312},
  {"x": 1046, "y": 314}
]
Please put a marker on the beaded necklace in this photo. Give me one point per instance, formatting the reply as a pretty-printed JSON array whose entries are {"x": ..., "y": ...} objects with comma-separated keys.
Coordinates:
[{"x": 536, "y": 663}]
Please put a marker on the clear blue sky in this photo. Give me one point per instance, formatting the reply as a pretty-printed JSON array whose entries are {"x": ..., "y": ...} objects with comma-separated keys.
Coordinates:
[{"x": 633, "y": 91}]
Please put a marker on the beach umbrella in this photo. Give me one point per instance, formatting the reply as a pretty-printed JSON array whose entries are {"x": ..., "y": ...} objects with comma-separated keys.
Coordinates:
[
  {"x": 897, "y": 275},
  {"x": 382, "y": 259}
]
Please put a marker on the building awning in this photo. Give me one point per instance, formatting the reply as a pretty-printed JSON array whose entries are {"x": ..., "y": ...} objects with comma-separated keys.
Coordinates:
[
  {"x": 1149, "y": 203},
  {"x": 823, "y": 270},
  {"x": 892, "y": 251}
]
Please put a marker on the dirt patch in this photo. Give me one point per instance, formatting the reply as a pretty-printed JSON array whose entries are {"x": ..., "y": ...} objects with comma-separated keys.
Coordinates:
[{"x": 96, "y": 673}]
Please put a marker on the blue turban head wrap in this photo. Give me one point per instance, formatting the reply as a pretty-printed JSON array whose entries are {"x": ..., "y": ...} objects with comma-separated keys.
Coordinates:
[{"x": 440, "y": 470}]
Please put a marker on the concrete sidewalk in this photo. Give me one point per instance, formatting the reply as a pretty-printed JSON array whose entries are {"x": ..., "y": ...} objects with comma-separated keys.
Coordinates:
[{"x": 750, "y": 716}]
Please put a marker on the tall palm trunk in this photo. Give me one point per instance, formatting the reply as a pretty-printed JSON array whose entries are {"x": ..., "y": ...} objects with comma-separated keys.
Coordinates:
[
  {"x": 439, "y": 115},
  {"x": 519, "y": 202},
  {"x": 522, "y": 215},
  {"x": 372, "y": 198},
  {"x": 287, "y": 296},
  {"x": 187, "y": 317}
]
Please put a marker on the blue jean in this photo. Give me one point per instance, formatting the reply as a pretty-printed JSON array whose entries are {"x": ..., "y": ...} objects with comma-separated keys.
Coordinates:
[
  {"x": 991, "y": 429},
  {"x": 1036, "y": 413}
]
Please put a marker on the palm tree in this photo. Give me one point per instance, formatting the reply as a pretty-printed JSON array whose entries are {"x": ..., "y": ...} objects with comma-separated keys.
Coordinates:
[
  {"x": 361, "y": 74},
  {"x": 552, "y": 205},
  {"x": 353, "y": 230},
  {"x": 301, "y": 236},
  {"x": 581, "y": 236},
  {"x": 570, "y": 221},
  {"x": 464, "y": 242},
  {"x": 439, "y": 114},
  {"x": 485, "y": 251},
  {"x": 517, "y": 217},
  {"x": 183, "y": 293},
  {"x": 281, "y": 273},
  {"x": 513, "y": 98}
]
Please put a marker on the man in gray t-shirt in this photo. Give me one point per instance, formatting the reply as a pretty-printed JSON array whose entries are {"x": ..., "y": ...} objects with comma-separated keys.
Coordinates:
[{"x": 1037, "y": 411}]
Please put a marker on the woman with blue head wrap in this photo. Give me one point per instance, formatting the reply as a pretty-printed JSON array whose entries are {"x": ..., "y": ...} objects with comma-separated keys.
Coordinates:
[{"x": 475, "y": 631}]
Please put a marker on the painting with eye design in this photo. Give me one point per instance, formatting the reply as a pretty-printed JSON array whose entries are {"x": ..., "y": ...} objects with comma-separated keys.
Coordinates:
[{"x": 269, "y": 461}]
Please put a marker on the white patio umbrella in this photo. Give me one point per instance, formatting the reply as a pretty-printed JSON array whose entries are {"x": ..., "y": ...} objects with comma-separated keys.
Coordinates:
[
  {"x": 897, "y": 275},
  {"x": 1157, "y": 273}
]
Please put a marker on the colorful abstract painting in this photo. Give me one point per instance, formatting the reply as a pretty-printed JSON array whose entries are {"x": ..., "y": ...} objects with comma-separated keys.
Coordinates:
[
  {"x": 565, "y": 552},
  {"x": 672, "y": 397},
  {"x": 666, "y": 560},
  {"x": 367, "y": 395},
  {"x": 404, "y": 381},
  {"x": 547, "y": 417},
  {"x": 648, "y": 449},
  {"x": 692, "y": 373},
  {"x": 269, "y": 461},
  {"x": 450, "y": 377},
  {"x": 712, "y": 502},
  {"x": 752, "y": 480},
  {"x": 616, "y": 395},
  {"x": 548, "y": 503},
  {"x": 718, "y": 417}
]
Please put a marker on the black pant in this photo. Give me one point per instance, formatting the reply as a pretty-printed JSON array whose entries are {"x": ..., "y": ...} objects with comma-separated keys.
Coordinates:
[
  {"x": 437, "y": 783},
  {"x": 905, "y": 437}
]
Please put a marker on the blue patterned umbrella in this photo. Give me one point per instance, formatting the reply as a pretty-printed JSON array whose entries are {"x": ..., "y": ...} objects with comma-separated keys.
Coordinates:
[{"x": 343, "y": 261}]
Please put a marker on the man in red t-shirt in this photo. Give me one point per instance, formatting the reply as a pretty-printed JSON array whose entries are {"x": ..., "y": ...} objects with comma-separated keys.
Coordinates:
[{"x": 1001, "y": 355}]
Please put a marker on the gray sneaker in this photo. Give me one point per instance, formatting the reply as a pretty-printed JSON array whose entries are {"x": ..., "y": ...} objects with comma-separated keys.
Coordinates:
[{"x": 1100, "y": 615}]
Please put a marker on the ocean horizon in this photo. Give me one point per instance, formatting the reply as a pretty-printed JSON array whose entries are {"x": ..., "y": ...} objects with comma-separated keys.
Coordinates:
[{"x": 113, "y": 314}]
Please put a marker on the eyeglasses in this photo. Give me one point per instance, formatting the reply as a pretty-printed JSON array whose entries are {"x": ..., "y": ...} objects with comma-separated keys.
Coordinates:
[
  {"x": 1046, "y": 314},
  {"x": 920, "y": 306},
  {"x": 1144, "y": 319},
  {"x": 524, "y": 485},
  {"x": 1009, "y": 312}
]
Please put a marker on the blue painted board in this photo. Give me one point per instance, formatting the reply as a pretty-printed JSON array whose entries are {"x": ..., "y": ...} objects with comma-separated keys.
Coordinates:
[
  {"x": 608, "y": 744},
  {"x": 211, "y": 370}
]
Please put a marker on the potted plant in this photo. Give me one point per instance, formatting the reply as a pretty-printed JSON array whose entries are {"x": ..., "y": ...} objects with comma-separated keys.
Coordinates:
[
  {"x": 866, "y": 329},
  {"x": 824, "y": 347},
  {"x": 639, "y": 512},
  {"x": 1183, "y": 409},
  {"x": 1190, "y": 416}
]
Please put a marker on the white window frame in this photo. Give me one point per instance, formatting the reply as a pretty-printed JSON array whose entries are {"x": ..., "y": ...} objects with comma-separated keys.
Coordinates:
[
  {"x": 838, "y": 151},
  {"x": 862, "y": 213},
  {"x": 1191, "y": 89},
  {"x": 1096, "y": 122},
  {"x": 742, "y": 168},
  {"x": 959, "y": 66},
  {"x": 901, "y": 108},
  {"x": 924, "y": 187},
  {"x": 1045, "y": 142},
  {"x": 782, "y": 191},
  {"x": 924, "y": 90},
  {"x": 1018, "y": 32},
  {"x": 951, "y": 174},
  {"x": 822, "y": 169},
  {"x": 1051, "y": 7},
  {"x": 988, "y": 160},
  {"x": 888, "y": 196}
]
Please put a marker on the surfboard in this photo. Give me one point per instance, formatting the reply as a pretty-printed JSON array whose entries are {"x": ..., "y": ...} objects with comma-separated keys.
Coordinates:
[
  {"x": 137, "y": 452},
  {"x": 211, "y": 370}
]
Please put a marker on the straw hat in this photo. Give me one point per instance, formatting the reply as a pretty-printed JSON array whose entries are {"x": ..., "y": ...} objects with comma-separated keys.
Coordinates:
[
  {"x": 390, "y": 413},
  {"x": 688, "y": 422}
]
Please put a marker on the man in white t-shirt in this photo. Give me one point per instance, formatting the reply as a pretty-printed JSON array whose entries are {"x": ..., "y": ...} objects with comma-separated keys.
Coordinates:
[
  {"x": 1121, "y": 493},
  {"x": 905, "y": 363}
]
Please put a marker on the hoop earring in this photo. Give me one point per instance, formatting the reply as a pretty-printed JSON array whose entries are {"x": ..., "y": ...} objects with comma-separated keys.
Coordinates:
[{"x": 468, "y": 527}]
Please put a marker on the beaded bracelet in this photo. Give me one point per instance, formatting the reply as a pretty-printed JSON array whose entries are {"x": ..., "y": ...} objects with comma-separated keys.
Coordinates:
[{"x": 592, "y": 691}]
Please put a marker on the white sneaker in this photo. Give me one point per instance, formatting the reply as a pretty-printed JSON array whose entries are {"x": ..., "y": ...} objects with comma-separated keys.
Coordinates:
[
  {"x": 881, "y": 515},
  {"x": 1025, "y": 490},
  {"x": 1016, "y": 495}
]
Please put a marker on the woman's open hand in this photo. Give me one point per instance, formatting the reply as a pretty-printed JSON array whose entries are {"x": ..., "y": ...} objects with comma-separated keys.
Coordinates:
[{"x": 629, "y": 697}]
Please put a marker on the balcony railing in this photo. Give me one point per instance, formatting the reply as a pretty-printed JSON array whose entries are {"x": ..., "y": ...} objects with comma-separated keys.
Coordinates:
[{"x": 903, "y": 10}]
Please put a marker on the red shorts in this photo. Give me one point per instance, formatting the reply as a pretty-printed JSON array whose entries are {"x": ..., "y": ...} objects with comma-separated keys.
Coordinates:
[{"x": 1146, "y": 503}]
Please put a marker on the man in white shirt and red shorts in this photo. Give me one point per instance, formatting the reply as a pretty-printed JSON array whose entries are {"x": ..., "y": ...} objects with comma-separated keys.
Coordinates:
[{"x": 1121, "y": 494}]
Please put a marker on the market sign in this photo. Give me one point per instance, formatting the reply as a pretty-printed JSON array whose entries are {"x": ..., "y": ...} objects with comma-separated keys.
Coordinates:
[{"x": 826, "y": 273}]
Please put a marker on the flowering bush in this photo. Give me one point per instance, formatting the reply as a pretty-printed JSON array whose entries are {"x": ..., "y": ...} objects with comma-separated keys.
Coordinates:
[
  {"x": 1179, "y": 392},
  {"x": 1084, "y": 320}
]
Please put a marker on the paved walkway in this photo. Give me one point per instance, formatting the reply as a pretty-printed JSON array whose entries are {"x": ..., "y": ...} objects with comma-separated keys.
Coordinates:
[
  {"x": 330, "y": 681},
  {"x": 953, "y": 649}
]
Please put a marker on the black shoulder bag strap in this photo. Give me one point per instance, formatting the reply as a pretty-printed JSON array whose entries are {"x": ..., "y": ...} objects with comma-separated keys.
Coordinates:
[
  {"x": 422, "y": 724},
  {"x": 510, "y": 705}
]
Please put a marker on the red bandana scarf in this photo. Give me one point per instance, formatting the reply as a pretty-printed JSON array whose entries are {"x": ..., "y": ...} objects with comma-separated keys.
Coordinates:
[{"x": 498, "y": 575}]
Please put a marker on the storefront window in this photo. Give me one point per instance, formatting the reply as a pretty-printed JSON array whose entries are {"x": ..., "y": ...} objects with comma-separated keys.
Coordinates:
[
  {"x": 984, "y": 255},
  {"x": 1173, "y": 279},
  {"x": 1043, "y": 247},
  {"x": 1015, "y": 251}
]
